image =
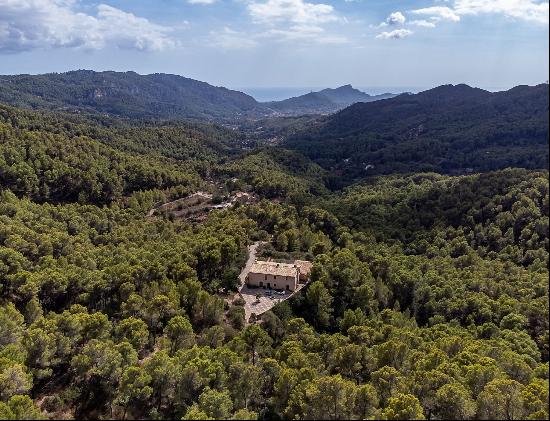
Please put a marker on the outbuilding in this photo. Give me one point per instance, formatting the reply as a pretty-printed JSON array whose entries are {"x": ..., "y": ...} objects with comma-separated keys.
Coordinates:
[{"x": 304, "y": 267}]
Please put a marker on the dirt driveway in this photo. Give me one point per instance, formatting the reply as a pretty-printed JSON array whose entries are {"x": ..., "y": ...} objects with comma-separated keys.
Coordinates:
[
  {"x": 266, "y": 302},
  {"x": 252, "y": 250}
]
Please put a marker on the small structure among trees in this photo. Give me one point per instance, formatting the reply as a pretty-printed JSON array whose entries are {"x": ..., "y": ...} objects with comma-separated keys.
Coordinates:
[
  {"x": 276, "y": 275},
  {"x": 305, "y": 269}
]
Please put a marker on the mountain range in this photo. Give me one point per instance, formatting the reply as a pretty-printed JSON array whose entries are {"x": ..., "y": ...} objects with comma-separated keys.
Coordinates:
[
  {"x": 160, "y": 96},
  {"x": 324, "y": 102},
  {"x": 449, "y": 129},
  {"x": 128, "y": 94}
]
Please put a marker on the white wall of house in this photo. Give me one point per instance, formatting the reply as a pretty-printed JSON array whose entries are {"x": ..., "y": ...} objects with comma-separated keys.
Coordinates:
[{"x": 263, "y": 280}]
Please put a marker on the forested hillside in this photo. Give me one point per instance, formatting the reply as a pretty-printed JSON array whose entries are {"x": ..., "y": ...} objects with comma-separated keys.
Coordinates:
[
  {"x": 449, "y": 129},
  {"x": 503, "y": 213},
  {"x": 128, "y": 94},
  {"x": 428, "y": 296},
  {"x": 161, "y": 97},
  {"x": 278, "y": 173}
]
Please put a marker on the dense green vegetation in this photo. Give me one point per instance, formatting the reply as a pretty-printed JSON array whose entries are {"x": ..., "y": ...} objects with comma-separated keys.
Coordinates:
[
  {"x": 161, "y": 97},
  {"x": 449, "y": 129},
  {"x": 503, "y": 214},
  {"x": 428, "y": 300},
  {"x": 276, "y": 173},
  {"x": 64, "y": 158},
  {"x": 128, "y": 94}
]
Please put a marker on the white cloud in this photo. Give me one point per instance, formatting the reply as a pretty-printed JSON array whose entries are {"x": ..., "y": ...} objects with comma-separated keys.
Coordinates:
[
  {"x": 528, "y": 10},
  {"x": 293, "y": 11},
  {"x": 295, "y": 20},
  {"x": 396, "y": 18},
  {"x": 229, "y": 39},
  {"x": 297, "y": 32},
  {"x": 201, "y": 1},
  {"x": 423, "y": 23},
  {"x": 310, "y": 33},
  {"x": 31, "y": 24},
  {"x": 438, "y": 13},
  {"x": 129, "y": 31},
  {"x": 395, "y": 34}
]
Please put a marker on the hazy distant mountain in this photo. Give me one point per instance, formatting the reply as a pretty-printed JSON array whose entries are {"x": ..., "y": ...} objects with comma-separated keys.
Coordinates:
[
  {"x": 128, "y": 94},
  {"x": 347, "y": 95},
  {"x": 324, "y": 102},
  {"x": 446, "y": 129}
]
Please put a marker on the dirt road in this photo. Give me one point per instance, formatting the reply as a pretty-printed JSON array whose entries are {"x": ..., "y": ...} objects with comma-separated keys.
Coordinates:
[
  {"x": 252, "y": 250},
  {"x": 265, "y": 302}
]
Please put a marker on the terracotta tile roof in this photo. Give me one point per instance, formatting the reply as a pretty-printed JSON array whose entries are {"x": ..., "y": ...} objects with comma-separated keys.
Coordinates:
[
  {"x": 304, "y": 266},
  {"x": 274, "y": 268}
]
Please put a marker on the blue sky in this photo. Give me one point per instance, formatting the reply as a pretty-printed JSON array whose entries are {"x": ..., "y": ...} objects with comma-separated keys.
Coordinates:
[{"x": 285, "y": 43}]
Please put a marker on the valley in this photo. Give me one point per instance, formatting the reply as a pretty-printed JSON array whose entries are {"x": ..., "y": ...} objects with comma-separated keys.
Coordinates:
[{"x": 133, "y": 209}]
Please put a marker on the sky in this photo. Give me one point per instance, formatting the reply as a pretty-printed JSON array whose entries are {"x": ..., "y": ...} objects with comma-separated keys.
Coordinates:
[{"x": 494, "y": 44}]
